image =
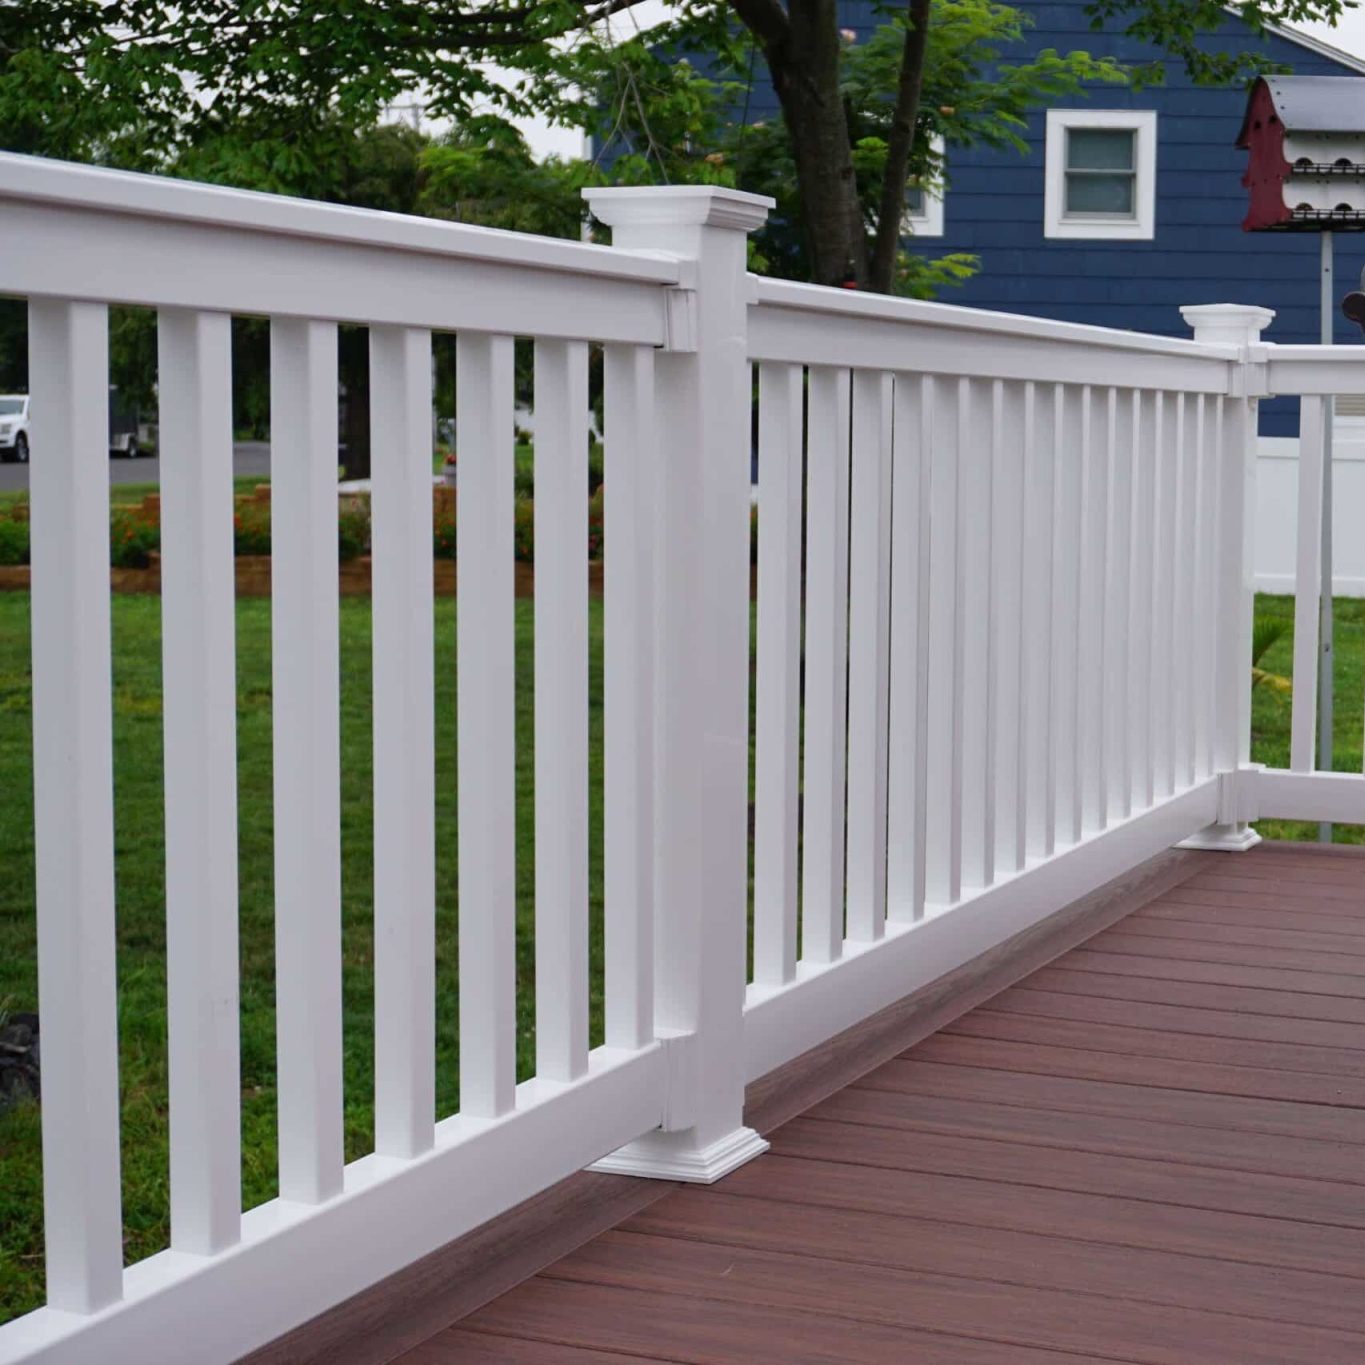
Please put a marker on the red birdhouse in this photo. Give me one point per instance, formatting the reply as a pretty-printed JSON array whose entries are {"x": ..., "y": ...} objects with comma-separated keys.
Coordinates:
[{"x": 1305, "y": 143}]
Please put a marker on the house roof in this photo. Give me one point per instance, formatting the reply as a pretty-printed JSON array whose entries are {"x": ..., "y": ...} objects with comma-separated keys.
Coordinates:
[
  {"x": 1304, "y": 40},
  {"x": 1313, "y": 104}
]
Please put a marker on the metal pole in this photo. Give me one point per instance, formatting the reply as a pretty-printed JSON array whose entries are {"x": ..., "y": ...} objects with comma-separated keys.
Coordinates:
[{"x": 1326, "y": 657}]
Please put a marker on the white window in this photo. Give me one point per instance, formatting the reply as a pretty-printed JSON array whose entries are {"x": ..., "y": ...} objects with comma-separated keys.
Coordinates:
[
  {"x": 1101, "y": 174},
  {"x": 923, "y": 216}
]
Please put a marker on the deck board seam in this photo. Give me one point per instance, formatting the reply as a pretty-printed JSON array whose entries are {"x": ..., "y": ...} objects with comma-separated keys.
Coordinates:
[
  {"x": 1090, "y": 1080},
  {"x": 969, "y": 1064},
  {"x": 719, "y": 1241},
  {"x": 829, "y": 1317},
  {"x": 1015, "y": 1183}
]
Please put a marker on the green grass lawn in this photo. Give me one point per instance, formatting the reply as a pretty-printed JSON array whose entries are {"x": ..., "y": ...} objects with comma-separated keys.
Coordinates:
[
  {"x": 140, "y": 887},
  {"x": 1270, "y": 711},
  {"x": 130, "y": 494},
  {"x": 141, "y": 909}
]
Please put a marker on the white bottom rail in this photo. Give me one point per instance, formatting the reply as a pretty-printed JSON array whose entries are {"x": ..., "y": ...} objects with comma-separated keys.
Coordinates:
[
  {"x": 1338, "y": 798},
  {"x": 782, "y": 1022},
  {"x": 297, "y": 1260}
]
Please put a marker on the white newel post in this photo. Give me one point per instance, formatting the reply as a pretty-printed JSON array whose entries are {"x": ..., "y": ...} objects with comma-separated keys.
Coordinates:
[
  {"x": 1235, "y": 573},
  {"x": 702, "y": 424}
]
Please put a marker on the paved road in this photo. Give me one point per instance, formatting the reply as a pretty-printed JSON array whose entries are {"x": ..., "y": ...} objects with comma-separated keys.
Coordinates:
[{"x": 248, "y": 458}]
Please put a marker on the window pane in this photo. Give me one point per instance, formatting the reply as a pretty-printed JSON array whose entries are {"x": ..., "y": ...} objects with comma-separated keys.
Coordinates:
[
  {"x": 1108, "y": 194},
  {"x": 1099, "y": 149},
  {"x": 914, "y": 200}
]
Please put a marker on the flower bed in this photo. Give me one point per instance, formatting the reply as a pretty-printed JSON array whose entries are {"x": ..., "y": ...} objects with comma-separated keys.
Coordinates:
[{"x": 135, "y": 542}]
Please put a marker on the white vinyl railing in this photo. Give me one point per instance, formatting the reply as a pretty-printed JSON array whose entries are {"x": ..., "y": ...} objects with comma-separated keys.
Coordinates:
[{"x": 1003, "y": 637}]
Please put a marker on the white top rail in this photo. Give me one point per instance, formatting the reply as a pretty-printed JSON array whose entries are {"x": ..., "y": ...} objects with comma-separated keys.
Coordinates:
[
  {"x": 1313, "y": 371},
  {"x": 809, "y": 324},
  {"x": 69, "y": 231}
]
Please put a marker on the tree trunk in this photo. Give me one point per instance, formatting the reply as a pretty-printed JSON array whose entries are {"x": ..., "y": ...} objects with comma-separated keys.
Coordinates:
[
  {"x": 882, "y": 274},
  {"x": 805, "y": 69},
  {"x": 354, "y": 366}
]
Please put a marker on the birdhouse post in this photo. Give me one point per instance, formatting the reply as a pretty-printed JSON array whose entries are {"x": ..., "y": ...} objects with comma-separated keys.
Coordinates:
[{"x": 1305, "y": 142}]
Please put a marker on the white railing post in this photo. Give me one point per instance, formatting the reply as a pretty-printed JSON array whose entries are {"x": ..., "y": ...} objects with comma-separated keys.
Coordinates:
[
  {"x": 1234, "y": 567},
  {"x": 702, "y": 408}
]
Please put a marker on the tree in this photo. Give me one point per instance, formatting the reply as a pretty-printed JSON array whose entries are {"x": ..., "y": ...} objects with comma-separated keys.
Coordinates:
[{"x": 139, "y": 80}]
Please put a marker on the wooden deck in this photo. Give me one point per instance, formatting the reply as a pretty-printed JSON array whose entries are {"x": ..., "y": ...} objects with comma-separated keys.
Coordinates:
[{"x": 1151, "y": 1150}]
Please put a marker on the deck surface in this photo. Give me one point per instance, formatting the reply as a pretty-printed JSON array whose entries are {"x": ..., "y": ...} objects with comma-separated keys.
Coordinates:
[{"x": 1151, "y": 1150}]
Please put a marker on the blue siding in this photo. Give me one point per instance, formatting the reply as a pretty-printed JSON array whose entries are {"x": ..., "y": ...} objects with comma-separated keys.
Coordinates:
[{"x": 994, "y": 206}]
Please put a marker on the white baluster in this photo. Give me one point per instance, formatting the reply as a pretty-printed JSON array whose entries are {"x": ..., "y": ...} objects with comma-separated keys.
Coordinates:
[
  {"x": 561, "y": 667},
  {"x": 943, "y": 808},
  {"x": 777, "y": 752},
  {"x": 73, "y": 790},
  {"x": 975, "y": 548},
  {"x": 869, "y": 653},
  {"x": 1093, "y": 629},
  {"x": 908, "y": 711},
  {"x": 631, "y": 479},
  {"x": 199, "y": 684},
  {"x": 404, "y": 742},
  {"x": 822, "y": 872},
  {"x": 1040, "y": 434},
  {"x": 1007, "y": 613},
  {"x": 306, "y": 662},
  {"x": 1307, "y": 587},
  {"x": 485, "y": 647},
  {"x": 1073, "y": 415}
]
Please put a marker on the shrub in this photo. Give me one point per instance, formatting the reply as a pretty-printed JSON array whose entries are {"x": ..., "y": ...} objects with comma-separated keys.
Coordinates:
[
  {"x": 13, "y": 542},
  {"x": 132, "y": 539},
  {"x": 524, "y": 532},
  {"x": 594, "y": 468},
  {"x": 753, "y": 535},
  {"x": 597, "y": 521},
  {"x": 443, "y": 532},
  {"x": 353, "y": 530},
  {"x": 251, "y": 529}
]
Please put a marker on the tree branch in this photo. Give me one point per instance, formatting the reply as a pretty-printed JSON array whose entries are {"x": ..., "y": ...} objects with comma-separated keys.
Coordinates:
[
  {"x": 898, "y": 148},
  {"x": 765, "y": 19}
]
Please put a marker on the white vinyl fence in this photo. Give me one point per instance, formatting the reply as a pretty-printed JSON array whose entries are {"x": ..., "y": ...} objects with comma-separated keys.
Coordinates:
[
  {"x": 1018, "y": 553},
  {"x": 1277, "y": 500}
]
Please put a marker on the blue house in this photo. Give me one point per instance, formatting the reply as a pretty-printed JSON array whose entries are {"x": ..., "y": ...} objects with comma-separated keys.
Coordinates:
[{"x": 1128, "y": 203}]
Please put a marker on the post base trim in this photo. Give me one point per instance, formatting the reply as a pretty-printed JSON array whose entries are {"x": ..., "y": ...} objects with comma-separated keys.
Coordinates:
[
  {"x": 668, "y": 1156},
  {"x": 1223, "y": 839}
]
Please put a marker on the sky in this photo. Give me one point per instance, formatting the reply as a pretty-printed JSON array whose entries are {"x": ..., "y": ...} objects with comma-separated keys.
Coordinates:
[{"x": 547, "y": 140}]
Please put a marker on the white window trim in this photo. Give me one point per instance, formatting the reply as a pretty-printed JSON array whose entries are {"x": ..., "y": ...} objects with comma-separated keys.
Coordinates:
[
  {"x": 1142, "y": 227},
  {"x": 929, "y": 223}
]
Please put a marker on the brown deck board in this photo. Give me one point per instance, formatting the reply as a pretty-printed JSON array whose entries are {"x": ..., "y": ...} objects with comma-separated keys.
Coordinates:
[
  {"x": 1283, "y": 935},
  {"x": 1274, "y": 911},
  {"x": 1010, "y": 1314},
  {"x": 1273, "y": 979},
  {"x": 1151, "y": 1139},
  {"x": 1275, "y": 956},
  {"x": 710, "y": 1331},
  {"x": 1344, "y": 891},
  {"x": 1106, "y": 1218},
  {"x": 1173, "y": 1044},
  {"x": 1216, "y": 1023},
  {"x": 1150, "y": 1150},
  {"x": 1083, "y": 1095},
  {"x": 1165, "y": 990},
  {"x": 1025, "y": 1165},
  {"x": 1207, "y": 1078},
  {"x": 1020, "y": 1258},
  {"x": 489, "y": 1348}
]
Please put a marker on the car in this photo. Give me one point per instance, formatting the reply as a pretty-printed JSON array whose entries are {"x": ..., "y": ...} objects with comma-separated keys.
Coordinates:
[
  {"x": 124, "y": 423},
  {"x": 14, "y": 439}
]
